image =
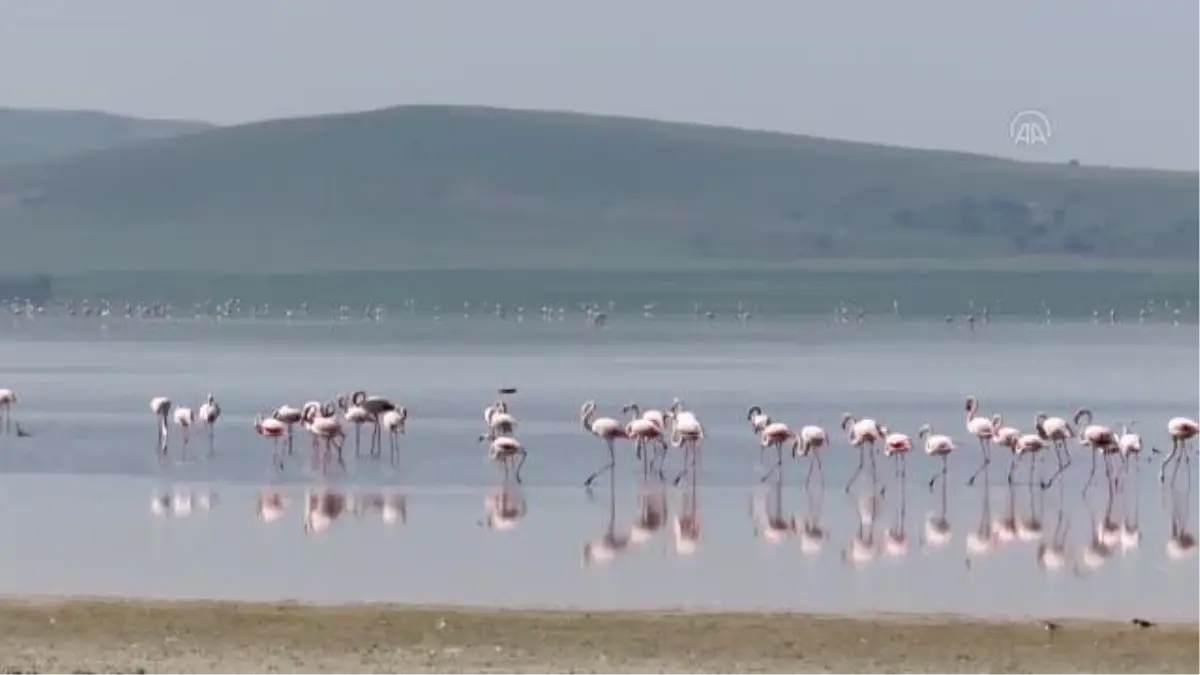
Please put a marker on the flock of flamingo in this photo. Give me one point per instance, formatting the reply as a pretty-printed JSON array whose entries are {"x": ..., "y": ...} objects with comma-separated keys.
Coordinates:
[{"x": 654, "y": 433}]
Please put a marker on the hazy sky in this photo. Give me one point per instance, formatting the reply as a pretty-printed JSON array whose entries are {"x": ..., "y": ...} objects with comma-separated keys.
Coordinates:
[{"x": 1118, "y": 80}]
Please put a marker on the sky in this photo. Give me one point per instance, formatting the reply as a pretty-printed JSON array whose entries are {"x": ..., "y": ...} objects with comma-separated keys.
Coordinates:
[{"x": 1116, "y": 82}]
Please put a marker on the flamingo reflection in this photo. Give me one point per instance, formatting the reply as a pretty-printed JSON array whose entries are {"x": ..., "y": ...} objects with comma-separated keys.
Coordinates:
[
  {"x": 609, "y": 545},
  {"x": 1029, "y": 528},
  {"x": 392, "y": 508},
  {"x": 982, "y": 539},
  {"x": 1105, "y": 535},
  {"x": 861, "y": 550},
  {"x": 1052, "y": 555},
  {"x": 1131, "y": 531},
  {"x": 812, "y": 533},
  {"x": 323, "y": 508},
  {"x": 936, "y": 532},
  {"x": 651, "y": 510},
  {"x": 767, "y": 512},
  {"x": 1182, "y": 543},
  {"x": 686, "y": 525},
  {"x": 1005, "y": 526},
  {"x": 503, "y": 507},
  {"x": 180, "y": 502},
  {"x": 270, "y": 506},
  {"x": 895, "y": 541}
]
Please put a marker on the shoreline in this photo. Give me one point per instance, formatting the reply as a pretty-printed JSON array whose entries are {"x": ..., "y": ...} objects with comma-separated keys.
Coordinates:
[{"x": 68, "y": 633}]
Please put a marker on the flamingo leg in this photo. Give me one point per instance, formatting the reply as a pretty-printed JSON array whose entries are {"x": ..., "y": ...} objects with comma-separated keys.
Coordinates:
[
  {"x": 289, "y": 439},
  {"x": 520, "y": 463},
  {"x": 987, "y": 459},
  {"x": 1060, "y": 447},
  {"x": 861, "y": 461},
  {"x": 358, "y": 439},
  {"x": 941, "y": 474},
  {"x": 1162, "y": 472},
  {"x": 1091, "y": 476},
  {"x": 778, "y": 463},
  {"x": 612, "y": 462},
  {"x": 212, "y": 440}
]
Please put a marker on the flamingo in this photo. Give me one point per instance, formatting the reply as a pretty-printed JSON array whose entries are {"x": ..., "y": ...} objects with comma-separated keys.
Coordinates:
[
  {"x": 1129, "y": 444},
  {"x": 653, "y": 415},
  {"x": 184, "y": 419},
  {"x": 273, "y": 429},
  {"x": 1025, "y": 445},
  {"x": 1058, "y": 432},
  {"x": 897, "y": 446},
  {"x": 936, "y": 445},
  {"x": 644, "y": 431},
  {"x": 1100, "y": 439},
  {"x": 981, "y": 428},
  {"x": 811, "y": 440},
  {"x": 358, "y": 416},
  {"x": 861, "y": 434},
  {"x": 161, "y": 407},
  {"x": 210, "y": 412},
  {"x": 376, "y": 406},
  {"x": 499, "y": 421},
  {"x": 8, "y": 398},
  {"x": 505, "y": 448},
  {"x": 687, "y": 432},
  {"x": 395, "y": 421},
  {"x": 1004, "y": 436},
  {"x": 324, "y": 426},
  {"x": 774, "y": 435},
  {"x": 1182, "y": 430},
  {"x": 290, "y": 417},
  {"x": 758, "y": 421},
  {"x": 655, "y": 430},
  {"x": 606, "y": 429}
]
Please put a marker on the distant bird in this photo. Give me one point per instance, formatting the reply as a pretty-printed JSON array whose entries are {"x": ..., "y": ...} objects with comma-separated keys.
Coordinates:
[
  {"x": 1142, "y": 623},
  {"x": 209, "y": 413},
  {"x": 21, "y": 432}
]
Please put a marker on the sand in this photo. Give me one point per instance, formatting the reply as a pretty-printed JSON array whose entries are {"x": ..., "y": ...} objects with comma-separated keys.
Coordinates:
[{"x": 136, "y": 636}]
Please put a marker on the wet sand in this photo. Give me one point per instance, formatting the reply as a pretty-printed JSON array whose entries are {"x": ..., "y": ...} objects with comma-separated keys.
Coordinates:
[{"x": 137, "y": 636}]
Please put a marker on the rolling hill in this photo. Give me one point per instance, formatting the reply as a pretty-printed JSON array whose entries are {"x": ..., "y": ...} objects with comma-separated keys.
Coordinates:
[
  {"x": 33, "y": 135},
  {"x": 431, "y": 186}
]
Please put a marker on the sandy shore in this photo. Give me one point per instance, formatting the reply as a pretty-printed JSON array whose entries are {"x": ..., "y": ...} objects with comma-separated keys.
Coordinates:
[{"x": 135, "y": 636}]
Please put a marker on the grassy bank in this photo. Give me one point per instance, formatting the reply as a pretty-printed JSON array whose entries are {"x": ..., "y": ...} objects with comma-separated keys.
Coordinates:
[{"x": 133, "y": 636}]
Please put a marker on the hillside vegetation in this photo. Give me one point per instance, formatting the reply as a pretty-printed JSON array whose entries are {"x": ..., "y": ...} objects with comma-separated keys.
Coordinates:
[
  {"x": 36, "y": 135},
  {"x": 440, "y": 185}
]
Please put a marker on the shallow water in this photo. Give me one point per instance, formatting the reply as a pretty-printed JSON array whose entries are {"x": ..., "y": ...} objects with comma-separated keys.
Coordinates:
[{"x": 78, "y": 494}]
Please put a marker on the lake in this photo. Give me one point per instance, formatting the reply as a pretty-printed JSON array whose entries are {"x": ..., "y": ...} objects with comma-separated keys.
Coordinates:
[{"x": 91, "y": 509}]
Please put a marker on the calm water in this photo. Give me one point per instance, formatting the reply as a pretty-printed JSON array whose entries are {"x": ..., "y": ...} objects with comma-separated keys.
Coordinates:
[{"x": 79, "y": 494}]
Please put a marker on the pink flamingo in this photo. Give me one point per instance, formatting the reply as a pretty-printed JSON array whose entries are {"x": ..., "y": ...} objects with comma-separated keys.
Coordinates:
[
  {"x": 273, "y": 429},
  {"x": 8, "y": 398},
  {"x": 324, "y": 426},
  {"x": 774, "y": 435},
  {"x": 687, "y": 432},
  {"x": 936, "y": 445},
  {"x": 861, "y": 434},
  {"x": 1058, "y": 432},
  {"x": 981, "y": 428},
  {"x": 1101, "y": 440},
  {"x": 1182, "y": 430},
  {"x": 505, "y": 449},
  {"x": 290, "y": 417},
  {"x": 645, "y": 429},
  {"x": 606, "y": 429},
  {"x": 1026, "y": 445},
  {"x": 809, "y": 442},
  {"x": 897, "y": 446}
]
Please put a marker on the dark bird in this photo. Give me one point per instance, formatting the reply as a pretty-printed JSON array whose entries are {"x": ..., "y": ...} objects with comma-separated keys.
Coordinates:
[
  {"x": 1142, "y": 623},
  {"x": 1050, "y": 626},
  {"x": 21, "y": 432}
]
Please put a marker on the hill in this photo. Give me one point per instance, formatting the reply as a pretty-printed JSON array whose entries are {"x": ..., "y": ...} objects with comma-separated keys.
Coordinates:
[
  {"x": 35, "y": 135},
  {"x": 460, "y": 186}
]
